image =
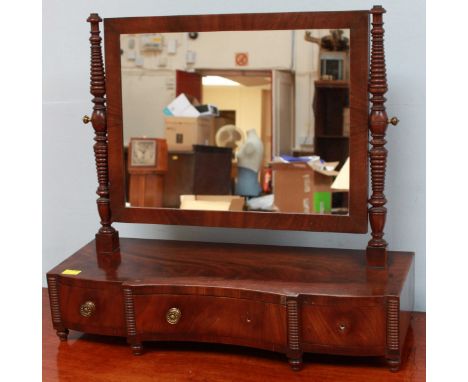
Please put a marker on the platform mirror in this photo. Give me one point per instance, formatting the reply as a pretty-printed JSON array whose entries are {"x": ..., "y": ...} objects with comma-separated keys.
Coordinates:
[
  {"x": 259, "y": 124},
  {"x": 200, "y": 119}
]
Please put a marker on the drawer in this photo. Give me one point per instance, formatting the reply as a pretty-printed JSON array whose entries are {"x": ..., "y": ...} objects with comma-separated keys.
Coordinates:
[
  {"x": 345, "y": 326},
  {"x": 208, "y": 318},
  {"x": 93, "y": 310}
]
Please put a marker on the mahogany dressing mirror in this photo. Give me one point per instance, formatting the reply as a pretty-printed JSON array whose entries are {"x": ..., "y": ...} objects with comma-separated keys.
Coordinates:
[
  {"x": 173, "y": 147},
  {"x": 188, "y": 98}
]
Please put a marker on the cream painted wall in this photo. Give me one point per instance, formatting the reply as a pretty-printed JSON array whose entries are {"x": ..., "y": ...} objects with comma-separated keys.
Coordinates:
[
  {"x": 306, "y": 71},
  {"x": 145, "y": 93},
  {"x": 132, "y": 46},
  {"x": 69, "y": 211},
  {"x": 146, "y": 87},
  {"x": 266, "y": 49},
  {"x": 245, "y": 100},
  {"x": 214, "y": 50}
]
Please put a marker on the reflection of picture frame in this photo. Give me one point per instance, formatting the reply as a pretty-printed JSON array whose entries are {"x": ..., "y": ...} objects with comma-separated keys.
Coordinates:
[
  {"x": 333, "y": 65},
  {"x": 143, "y": 152}
]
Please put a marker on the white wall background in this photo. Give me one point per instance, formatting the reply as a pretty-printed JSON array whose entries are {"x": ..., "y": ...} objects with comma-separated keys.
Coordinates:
[{"x": 70, "y": 217}]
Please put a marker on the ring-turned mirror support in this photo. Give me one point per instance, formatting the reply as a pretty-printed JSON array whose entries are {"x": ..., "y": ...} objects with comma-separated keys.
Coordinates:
[
  {"x": 107, "y": 238},
  {"x": 378, "y": 120}
]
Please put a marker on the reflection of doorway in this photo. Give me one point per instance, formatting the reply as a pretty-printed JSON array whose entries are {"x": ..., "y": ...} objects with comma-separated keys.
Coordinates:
[
  {"x": 283, "y": 112},
  {"x": 245, "y": 94},
  {"x": 270, "y": 111},
  {"x": 190, "y": 84},
  {"x": 266, "y": 125}
]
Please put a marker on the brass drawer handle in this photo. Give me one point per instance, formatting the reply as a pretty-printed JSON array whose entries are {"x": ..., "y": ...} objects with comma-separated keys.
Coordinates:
[
  {"x": 87, "y": 309},
  {"x": 173, "y": 316}
]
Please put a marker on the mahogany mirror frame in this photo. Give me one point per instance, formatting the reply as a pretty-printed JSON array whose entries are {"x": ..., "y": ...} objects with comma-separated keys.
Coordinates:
[{"x": 358, "y": 24}]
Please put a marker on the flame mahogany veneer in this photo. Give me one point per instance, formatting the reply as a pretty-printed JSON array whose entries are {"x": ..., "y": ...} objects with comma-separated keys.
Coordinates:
[{"x": 285, "y": 299}]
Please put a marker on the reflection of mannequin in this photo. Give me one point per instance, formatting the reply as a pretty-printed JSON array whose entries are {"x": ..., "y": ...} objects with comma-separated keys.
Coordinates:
[{"x": 249, "y": 161}]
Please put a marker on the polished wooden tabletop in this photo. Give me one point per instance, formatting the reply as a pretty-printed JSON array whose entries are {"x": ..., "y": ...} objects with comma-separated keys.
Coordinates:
[{"x": 96, "y": 358}]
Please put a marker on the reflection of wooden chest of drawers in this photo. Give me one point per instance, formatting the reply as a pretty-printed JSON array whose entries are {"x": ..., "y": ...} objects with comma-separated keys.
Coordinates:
[
  {"x": 284, "y": 299},
  {"x": 204, "y": 171}
]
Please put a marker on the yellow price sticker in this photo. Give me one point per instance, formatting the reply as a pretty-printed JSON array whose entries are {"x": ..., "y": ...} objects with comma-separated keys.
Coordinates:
[{"x": 72, "y": 272}]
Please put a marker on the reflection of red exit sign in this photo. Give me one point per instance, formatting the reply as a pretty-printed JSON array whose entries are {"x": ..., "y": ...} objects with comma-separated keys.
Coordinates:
[{"x": 242, "y": 59}]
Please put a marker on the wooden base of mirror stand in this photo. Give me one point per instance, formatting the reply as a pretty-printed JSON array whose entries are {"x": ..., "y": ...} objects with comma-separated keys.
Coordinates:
[
  {"x": 283, "y": 299},
  {"x": 107, "y": 243},
  {"x": 376, "y": 257}
]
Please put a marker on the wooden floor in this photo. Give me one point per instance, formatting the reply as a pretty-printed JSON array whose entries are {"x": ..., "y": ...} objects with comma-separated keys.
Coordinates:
[{"x": 93, "y": 358}]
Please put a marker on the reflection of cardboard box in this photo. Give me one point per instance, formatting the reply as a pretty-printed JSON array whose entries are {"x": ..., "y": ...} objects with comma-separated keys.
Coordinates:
[
  {"x": 212, "y": 202},
  {"x": 294, "y": 186},
  {"x": 183, "y": 132}
]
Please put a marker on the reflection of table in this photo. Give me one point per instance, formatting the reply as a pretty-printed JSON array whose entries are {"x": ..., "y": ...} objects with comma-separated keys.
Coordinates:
[{"x": 204, "y": 171}]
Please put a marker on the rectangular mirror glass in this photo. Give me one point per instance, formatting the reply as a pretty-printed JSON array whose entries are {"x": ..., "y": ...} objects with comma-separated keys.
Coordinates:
[{"x": 237, "y": 121}]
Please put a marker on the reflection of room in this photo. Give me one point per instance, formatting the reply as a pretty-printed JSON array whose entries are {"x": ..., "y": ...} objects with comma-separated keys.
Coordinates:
[{"x": 290, "y": 88}]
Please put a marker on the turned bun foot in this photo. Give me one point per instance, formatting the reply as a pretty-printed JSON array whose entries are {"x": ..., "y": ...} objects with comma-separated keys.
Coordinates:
[
  {"x": 137, "y": 349},
  {"x": 295, "y": 363},
  {"x": 62, "y": 334},
  {"x": 394, "y": 364}
]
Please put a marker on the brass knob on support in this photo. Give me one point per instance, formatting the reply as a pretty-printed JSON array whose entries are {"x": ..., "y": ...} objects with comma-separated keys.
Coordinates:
[
  {"x": 393, "y": 121},
  {"x": 87, "y": 309},
  {"x": 86, "y": 119},
  {"x": 173, "y": 316}
]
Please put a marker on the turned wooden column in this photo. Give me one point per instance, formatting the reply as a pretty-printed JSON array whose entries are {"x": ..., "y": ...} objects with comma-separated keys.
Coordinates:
[
  {"x": 294, "y": 352},
  {"x": 107, "y": 238},
  {"x": 54, "y": 298},
  {"x": 377, "y": 246}
]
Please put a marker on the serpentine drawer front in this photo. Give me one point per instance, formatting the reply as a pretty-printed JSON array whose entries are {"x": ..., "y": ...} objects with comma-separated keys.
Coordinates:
[
  {"x": 347, "y": 310},
  {"x": 206, "y": 318}
]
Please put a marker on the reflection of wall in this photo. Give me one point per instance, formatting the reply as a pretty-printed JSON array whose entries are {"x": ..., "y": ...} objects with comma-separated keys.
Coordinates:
[
  {"x": 147, "y": 75},
  {"x": 306, "y": 72},
  {"x": 266, "y": 49},
  {"x": 245, "y": 100},
  {"x": 135, "y": 56},
  {"x": 144, "y": 96}
]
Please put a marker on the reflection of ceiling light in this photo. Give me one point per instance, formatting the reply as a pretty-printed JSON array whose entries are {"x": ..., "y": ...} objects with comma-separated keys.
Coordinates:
[{"x": 218, "y": 81}]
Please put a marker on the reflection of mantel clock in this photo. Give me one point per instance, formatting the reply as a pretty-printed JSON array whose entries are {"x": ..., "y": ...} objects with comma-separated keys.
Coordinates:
[
  {"x": 143, "y": 152},
  {"x": 147, "y": 155},
  {"x": 147, "y": 164}
]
